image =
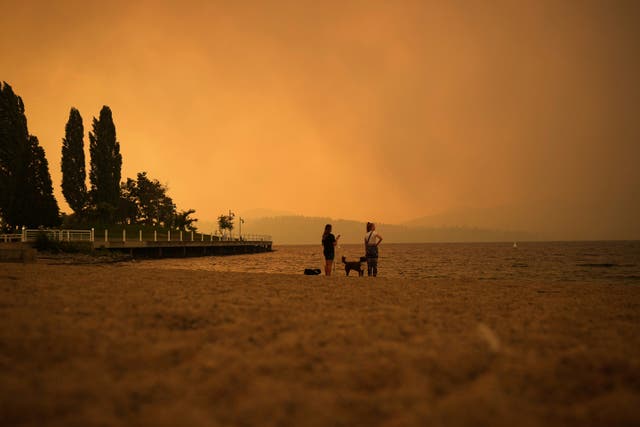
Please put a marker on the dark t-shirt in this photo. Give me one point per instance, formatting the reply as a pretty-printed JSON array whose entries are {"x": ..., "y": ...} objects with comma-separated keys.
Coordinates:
[{"x": 327, "y": 244}]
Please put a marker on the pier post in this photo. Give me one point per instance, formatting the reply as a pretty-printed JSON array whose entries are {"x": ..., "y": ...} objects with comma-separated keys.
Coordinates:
[
  {"x": 168, "y": 235},
  {"x": 155, "y": 235},
  {"x": 181, "y": 235},
  {"x": 93, "y": 234},
  {"x": 124, "y": 235},
  {"x": 106, "y": 235},
  {"x": 140, "y": 235},
  {"x": 192, "y": 235}
]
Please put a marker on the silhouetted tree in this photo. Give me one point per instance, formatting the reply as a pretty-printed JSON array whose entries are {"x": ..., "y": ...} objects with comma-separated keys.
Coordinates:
[
  {"x": 26, "y": 193},
  {"x": 156, "y": 207},
  {"x": 74, "y": 187},
  {"x": 41, "y": 205},
  {"x": 225, "y": 222},
  {"x": 145, "y": 201},
  {"x": 128, "y": 210},
  {"x": 106, "y": 165},
  {"x": 183, "y": 222},
  {"x": 13, "y": 154}
]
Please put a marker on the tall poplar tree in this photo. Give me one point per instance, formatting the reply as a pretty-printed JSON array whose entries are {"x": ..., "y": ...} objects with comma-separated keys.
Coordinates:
[
  {"x": 106, "y": 165},
  {"x": 41, "y": 207},
  {"x": 74, "y": 187},
  {"x": 26, "y": 193},
  {"x": 13, "y": 145}
]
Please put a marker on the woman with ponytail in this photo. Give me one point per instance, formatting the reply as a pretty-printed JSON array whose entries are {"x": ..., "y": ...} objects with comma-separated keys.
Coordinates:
[{"x": 329, "y": 242}]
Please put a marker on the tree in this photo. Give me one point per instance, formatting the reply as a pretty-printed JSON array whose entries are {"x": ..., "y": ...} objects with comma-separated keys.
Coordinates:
[
  {"x": 26, "y": 192},
  {"x": 41, "y": 205},
  {"x": 128, "y": 210},
  {"x": 183, "y": 222},
  {"x": 225, "y": 222},
  {"x": 106, "y": 165},
  {"x": 74, "y": 187},
  {"x": 145, "y": 201},
  {"x": 156, "y": 207},
  {"x": 13, "y": 154}
]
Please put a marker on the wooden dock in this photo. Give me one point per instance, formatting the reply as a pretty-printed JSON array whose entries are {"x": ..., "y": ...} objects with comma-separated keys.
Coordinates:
[
  {"x": 150, "y": 244},
  {"x": 159, "y": 249}
]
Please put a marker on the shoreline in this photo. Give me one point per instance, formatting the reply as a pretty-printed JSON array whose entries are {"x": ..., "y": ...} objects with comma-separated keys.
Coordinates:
[{"x": 118, "y": 344}]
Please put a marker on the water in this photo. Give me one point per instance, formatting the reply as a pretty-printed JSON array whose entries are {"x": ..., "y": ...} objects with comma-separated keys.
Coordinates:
[{"x": 602, "y": 262}]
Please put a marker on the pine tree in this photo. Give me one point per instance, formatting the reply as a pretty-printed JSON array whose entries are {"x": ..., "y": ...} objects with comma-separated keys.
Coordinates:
[
  {"x": 106, "y": 165},
  {"x": 74, "y": 175}
]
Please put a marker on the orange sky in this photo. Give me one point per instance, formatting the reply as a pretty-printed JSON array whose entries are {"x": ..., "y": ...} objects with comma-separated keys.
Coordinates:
[{"x": 362, "y": 110}]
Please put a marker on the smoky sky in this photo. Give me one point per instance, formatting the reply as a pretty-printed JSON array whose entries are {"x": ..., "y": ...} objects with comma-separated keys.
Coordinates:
[{"x": 506, "y": 114}]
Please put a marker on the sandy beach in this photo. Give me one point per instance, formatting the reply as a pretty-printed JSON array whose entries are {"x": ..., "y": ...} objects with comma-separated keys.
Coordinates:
[{"x": 111, "y": 345}]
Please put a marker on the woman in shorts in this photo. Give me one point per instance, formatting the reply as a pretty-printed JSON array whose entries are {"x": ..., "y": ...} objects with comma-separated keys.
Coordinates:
[{"x": 329, "y": 242}]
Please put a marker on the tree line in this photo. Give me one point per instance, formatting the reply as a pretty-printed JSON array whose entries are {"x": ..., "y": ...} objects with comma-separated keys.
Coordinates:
[{"x": 26, "y": 190}]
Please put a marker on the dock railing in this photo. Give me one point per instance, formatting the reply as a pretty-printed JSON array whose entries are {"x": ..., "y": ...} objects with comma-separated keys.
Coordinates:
[
  {"x": 129, "y": 235},
  {"x": 31, "y": 235},
  {"x": 6, "y": 238}
]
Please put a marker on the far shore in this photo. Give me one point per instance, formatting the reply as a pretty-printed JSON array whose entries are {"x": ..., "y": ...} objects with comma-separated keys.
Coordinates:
[{"x": 119, "y": 344}]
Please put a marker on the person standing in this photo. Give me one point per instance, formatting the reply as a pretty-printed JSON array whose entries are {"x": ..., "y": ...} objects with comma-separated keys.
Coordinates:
[
  {"x": 371, "y": 242},
  {"x": 329, "y": 242}
]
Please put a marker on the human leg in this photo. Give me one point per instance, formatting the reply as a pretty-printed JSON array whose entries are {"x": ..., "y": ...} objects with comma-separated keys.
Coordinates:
[
  {"x": 372, "y": 267},
  {"x": 327, "y": 267}
]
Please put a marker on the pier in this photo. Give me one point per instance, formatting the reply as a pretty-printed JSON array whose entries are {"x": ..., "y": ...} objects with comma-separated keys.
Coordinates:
[{"x": 151, "y": 244}]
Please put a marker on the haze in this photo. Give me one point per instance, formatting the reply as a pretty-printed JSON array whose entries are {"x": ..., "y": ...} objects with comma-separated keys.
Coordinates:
[{"x": 511, "y": 115}]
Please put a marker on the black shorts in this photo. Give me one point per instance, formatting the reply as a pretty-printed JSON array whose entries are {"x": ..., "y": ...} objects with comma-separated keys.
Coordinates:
[{"x": 329, "y": 255}]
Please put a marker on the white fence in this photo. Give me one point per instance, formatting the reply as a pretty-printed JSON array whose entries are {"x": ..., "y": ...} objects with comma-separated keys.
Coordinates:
[
  {"x": 59, "y": 235},
  {"x": 31, "y": 235}
]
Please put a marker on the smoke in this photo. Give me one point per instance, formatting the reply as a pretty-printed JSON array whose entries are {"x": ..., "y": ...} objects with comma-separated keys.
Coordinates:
[{"x": 524, "y": 114}]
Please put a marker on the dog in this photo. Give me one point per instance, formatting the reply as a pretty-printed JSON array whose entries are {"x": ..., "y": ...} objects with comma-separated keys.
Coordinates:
[{"x": 354, "y": 265}]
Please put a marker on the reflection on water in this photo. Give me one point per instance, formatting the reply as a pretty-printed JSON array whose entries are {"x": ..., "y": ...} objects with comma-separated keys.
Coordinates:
[{"x": 549, "y": 261}]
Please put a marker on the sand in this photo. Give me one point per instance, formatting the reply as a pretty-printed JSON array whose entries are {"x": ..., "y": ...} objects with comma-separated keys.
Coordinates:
[{"x": 111, "y": 345}]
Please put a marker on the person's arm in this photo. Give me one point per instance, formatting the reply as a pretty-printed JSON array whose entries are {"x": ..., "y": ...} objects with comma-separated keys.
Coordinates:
[
  {"x": 379, "y": 239},
  {"x": 335, "y": 242}
]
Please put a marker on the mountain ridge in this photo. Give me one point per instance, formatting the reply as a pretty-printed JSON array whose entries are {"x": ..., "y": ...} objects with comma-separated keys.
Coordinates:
[{"x": 299, "y": 229}]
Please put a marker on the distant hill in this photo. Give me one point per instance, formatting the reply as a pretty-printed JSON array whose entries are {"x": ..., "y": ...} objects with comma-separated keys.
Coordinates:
[
  {"x": 308, "y": 230},
  {"x": 265, "y": 213},
  {"x": 547, "y": 220},
  {"x": 472, "y": 217},
  {"x": 556, "y": 220}
]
